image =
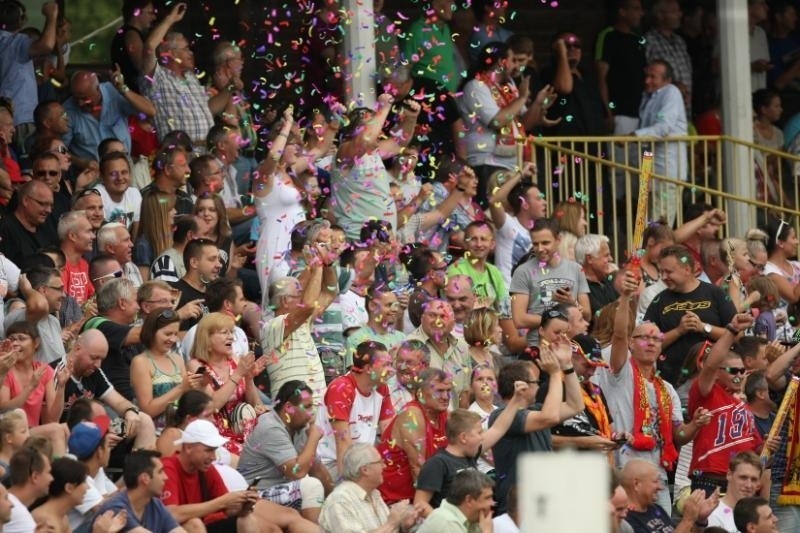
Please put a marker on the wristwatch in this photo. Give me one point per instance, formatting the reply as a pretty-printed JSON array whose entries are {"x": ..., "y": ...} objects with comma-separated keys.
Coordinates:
[
  {"x": 134, "y": 409},
  {"x": 707, "y": 329}
]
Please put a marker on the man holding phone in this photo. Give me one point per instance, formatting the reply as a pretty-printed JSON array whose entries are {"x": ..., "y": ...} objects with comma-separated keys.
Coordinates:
[{"x": 546, "y": 279}]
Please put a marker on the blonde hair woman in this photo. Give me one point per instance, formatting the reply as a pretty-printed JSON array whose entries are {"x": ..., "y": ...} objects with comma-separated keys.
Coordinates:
[
  {"x": 14, "y": 431},
  {"x": 736, "y": 258},
  {"x": 230, "y": 382},
  {"x": 482, "y": 331},
  {"x": 572, "y": 225}
]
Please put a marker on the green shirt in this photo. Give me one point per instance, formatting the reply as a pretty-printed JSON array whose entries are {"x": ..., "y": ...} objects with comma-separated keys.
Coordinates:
[
  {"x": 430, "y": 49},
  {"x": 489, "y": 286},
  {"x": 390, "y": 339},
  {"x": 448, "y": 518}
]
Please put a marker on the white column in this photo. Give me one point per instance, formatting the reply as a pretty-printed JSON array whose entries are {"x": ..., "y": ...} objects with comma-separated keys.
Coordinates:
[
  {"x": 737, "y": 111},
  {"x": 359, "y": 48}
]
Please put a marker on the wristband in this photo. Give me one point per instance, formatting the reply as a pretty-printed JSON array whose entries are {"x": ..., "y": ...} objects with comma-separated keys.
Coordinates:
[
  {"x": 732, "y": 329},
  {"x": 568, "y": 371},
  {"x": 134, "y": 409}
]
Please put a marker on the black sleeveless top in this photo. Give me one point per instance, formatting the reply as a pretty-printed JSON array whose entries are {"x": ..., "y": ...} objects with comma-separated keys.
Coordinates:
[{"x": 120, "y": 56}]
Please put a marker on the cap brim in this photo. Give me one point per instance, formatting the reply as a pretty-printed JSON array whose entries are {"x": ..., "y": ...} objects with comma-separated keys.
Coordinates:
[{"x": 601, "y": 363}]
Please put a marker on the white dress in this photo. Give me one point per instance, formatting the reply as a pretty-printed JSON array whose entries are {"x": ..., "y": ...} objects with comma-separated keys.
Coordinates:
[{"x": 279, "y": 211}]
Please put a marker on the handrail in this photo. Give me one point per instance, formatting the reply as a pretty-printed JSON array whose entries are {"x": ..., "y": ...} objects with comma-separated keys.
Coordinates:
[
  {"x": 579, "y": 168},
  {"x": 542, "y": 141}
]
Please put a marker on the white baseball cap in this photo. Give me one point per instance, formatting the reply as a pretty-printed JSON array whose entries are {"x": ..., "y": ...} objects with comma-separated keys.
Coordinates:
[{"x": 202, "y": 432}]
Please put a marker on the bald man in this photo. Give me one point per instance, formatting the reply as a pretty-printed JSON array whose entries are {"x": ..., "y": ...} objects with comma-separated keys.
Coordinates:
[
  {"x": 89, "y": 381},
  {"x": 98, "y": 111},
  {"x": 642, "y": 482}
]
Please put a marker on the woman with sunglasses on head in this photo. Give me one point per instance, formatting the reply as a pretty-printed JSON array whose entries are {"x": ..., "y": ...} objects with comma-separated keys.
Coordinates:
[
  {"x": 784, "y": 270},
  {"x": 230, "y": 382},
  {"x": 158, "y": 374}
]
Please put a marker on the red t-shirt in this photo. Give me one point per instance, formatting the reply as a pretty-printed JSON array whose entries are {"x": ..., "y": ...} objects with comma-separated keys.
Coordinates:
[
  {"x": 398, "y": 480},
  {"x": 76, "y": 280},
  {"x": 183, "y": 488},
  {"x": 732, "y": 430}
]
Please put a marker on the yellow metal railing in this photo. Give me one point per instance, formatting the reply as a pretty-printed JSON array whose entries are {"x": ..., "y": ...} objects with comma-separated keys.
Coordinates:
[{"x": 603, "y": 174}]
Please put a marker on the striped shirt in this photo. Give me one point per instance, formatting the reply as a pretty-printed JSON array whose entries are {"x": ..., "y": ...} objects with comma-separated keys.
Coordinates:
[{"x": 293, "y": 358}]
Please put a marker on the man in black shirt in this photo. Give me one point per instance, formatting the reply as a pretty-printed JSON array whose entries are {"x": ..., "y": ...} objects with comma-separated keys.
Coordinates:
[
  {"x": 87, "y": 380},
  {"x": 688, "y": 311},
  {"x": 117, "y": 309},
  {"x": 24, "y": 232},
  {"x": 201, "y": 258}
]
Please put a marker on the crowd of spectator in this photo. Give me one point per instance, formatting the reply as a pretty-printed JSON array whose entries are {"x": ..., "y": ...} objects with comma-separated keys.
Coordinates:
[{"x": 343, "y": 318}]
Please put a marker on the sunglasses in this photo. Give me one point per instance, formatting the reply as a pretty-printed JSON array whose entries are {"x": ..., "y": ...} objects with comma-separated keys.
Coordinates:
[
  {"x": 117, "y": 274},
  {"x": 735, "y": 371},
  {"x": 60, "y": 150},
  {"x": 554, "y": 313},
  {"x": 780, "y": 229},
  {"x": 87, "y": 192},
  {"x": 51, "y": 173}
]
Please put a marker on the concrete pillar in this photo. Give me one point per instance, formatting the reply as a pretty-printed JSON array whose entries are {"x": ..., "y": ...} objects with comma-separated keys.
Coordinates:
[
  {"x": 734, "y": 44},
  {"x": 359, "y": 50}
]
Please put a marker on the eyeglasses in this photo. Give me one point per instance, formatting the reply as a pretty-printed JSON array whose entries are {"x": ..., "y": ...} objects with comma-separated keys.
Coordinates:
[
  {"x": 116, "y": 274},
  {"x": 167, "y": 314},
  {"x": 164, "y": 302},
  {"x": 649, "y": 338},
  {"x": 19, "y": 338},
  {"x": 780, "y": 229},
  {"x": 51, "y": 173},
  {"x": 61, "y": 149},
  {"x": 42, "y": 203},
  {"x": 734, "y": 370}
]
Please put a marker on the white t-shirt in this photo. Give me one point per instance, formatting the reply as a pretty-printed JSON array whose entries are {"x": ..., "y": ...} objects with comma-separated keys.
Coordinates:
[
  {"x": 354, "y": 310},
  {"x": 504, "y": 524},
  {"x": 21, "y": 519},
  {"x": 91, "y": 499},
  {"x": 126, "y": 211},
  {"x": 722, "y": 517},
  {"x": 483, "y": 465},
  {"x": 513, "y": 242},
  {"x": 103, "y": 484}
]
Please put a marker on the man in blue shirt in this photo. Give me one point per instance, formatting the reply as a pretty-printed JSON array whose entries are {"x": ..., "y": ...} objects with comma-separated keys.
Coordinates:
[
  {"x": 98, "y": 111},
  {"x": 144, "y": 481},
  {"x": 17, "y": 76},
  {"x": 662, "y": 113}
]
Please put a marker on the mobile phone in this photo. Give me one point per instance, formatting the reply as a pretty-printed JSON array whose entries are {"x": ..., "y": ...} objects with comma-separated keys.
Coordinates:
[
  {"x": 254, "y": 484},
  {"x": 201, "y": 370}
]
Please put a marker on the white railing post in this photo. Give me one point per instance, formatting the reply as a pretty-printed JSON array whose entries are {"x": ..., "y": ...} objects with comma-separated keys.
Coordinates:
[
  {"x": 736, "y": 110},
  {"x": 359, "y": 46}
]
